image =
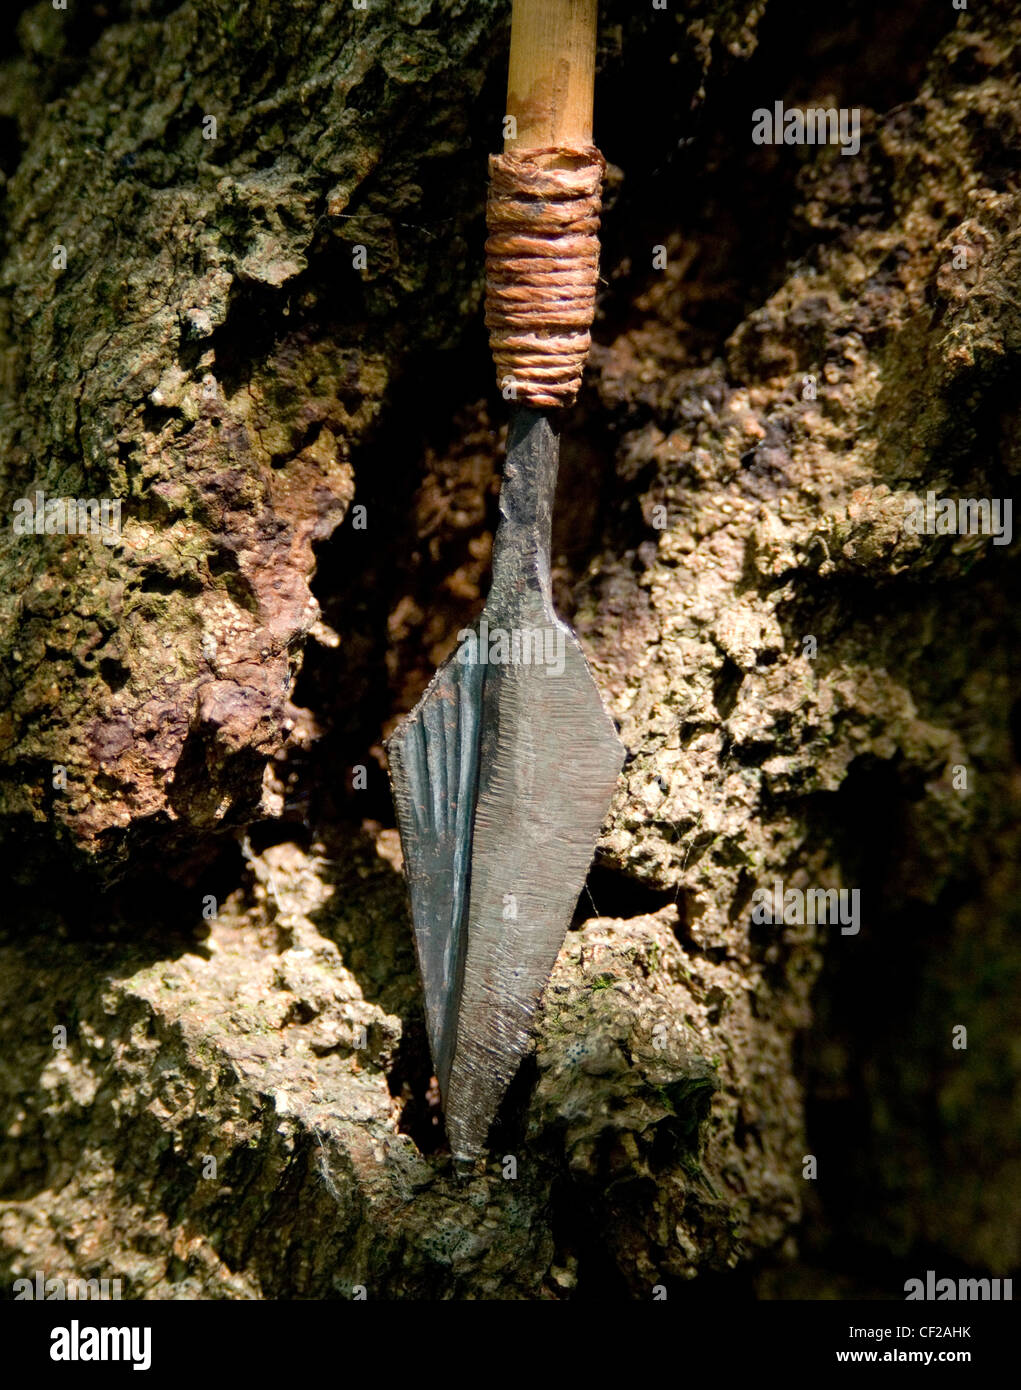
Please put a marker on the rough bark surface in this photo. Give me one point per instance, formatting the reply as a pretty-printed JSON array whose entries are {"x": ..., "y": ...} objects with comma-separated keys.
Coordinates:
[{"x": 242, "y": 1105}]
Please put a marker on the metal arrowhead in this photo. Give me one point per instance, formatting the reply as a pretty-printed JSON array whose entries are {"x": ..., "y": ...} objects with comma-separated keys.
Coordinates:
[{"x": 502, "y": 776}]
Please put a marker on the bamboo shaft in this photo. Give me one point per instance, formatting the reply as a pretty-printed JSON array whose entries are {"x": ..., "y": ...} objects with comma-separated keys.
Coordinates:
[{"x": 552, "y": 72}]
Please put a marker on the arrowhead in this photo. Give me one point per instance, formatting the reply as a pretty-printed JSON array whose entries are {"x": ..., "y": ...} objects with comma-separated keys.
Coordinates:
[{"x": 502, "y": 777}]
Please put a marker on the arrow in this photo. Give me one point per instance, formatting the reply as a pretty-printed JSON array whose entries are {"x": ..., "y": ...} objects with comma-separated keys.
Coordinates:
[{"x": 504, "y": 771}]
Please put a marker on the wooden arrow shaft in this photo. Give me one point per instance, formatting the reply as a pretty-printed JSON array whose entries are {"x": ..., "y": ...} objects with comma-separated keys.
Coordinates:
[{"x": 552, "y": 73}]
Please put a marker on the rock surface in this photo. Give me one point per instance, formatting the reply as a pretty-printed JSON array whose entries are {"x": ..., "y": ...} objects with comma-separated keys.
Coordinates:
[{"x": 240, "y": 1106}]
